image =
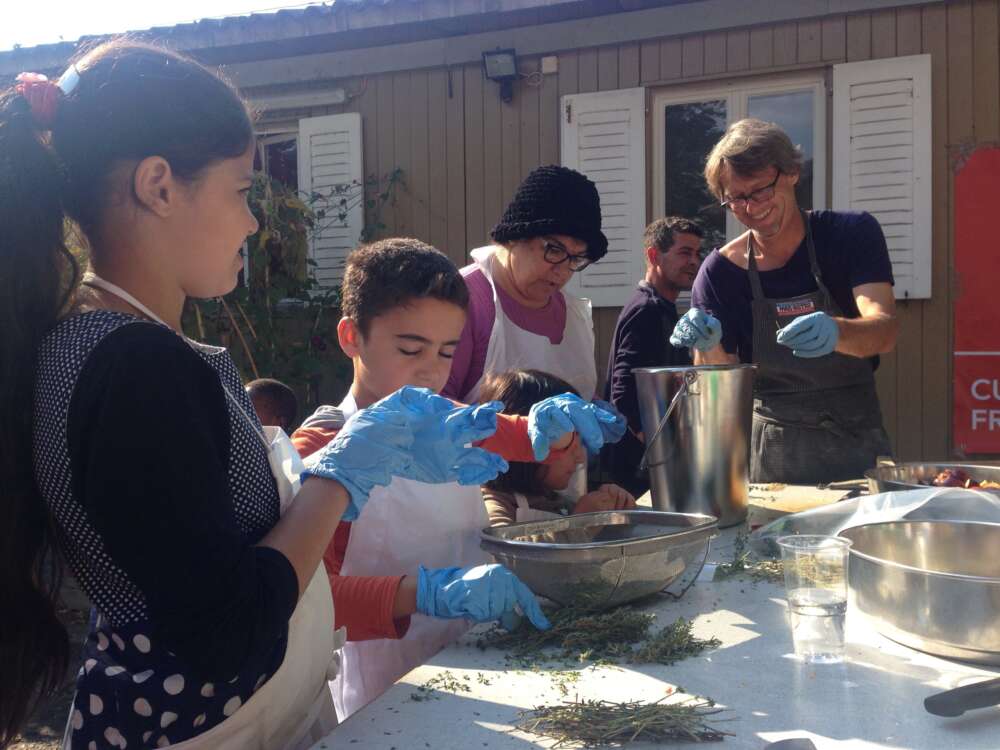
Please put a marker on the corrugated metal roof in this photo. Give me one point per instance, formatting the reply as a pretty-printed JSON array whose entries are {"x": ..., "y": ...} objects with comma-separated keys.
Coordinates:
[
  {"x": 293, "y": 31},
  {"x": 226, "y": 26}
]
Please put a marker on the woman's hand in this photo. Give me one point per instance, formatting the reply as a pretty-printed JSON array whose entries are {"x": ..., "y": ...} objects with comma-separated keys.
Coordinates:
[{"x": 606, "y": 497}]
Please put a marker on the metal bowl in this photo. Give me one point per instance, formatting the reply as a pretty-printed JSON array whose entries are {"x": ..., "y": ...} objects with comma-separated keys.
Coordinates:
[
  {"x": 930, "y": 585},
  {"x": 600, "y": 560},
  {"x": 914, "y": 476}
]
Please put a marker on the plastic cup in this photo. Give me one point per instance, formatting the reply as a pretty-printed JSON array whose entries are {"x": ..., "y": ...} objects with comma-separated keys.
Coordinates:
[{"x": 815, "y": 570}]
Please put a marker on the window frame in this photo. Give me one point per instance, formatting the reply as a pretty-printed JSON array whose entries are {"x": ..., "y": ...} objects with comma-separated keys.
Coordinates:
[{"x": 736, "y": 93}]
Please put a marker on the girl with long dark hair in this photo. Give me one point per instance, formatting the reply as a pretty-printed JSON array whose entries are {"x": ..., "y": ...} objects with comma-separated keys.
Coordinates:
[{"x": 136, "y": 452}]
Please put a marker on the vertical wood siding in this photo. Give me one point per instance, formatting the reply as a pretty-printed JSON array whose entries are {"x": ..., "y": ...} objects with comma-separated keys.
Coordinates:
[{"x": 464, "y": 151}]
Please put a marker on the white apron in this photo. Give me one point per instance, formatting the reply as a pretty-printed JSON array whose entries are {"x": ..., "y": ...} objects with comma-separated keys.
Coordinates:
[
  {"x": 292, "y": 710},
  {"x": 526, "y": 514},
  {"x": 403, "y": 526},
  {"x": 513, "y": 348}
]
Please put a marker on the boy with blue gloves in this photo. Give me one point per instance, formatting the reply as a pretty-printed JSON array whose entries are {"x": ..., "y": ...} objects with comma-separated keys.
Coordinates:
[{"x": 407, "y": 572}]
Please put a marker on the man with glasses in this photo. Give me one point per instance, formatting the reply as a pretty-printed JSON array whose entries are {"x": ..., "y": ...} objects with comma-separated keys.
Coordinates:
[
  {"x": 808, "y": 298},
  {"x": 672, "y": 248},
  {"x": 519, "y": 317}
]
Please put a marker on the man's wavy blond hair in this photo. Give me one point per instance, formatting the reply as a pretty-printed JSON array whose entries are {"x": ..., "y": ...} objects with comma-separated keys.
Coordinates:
[{"x": 748, "y": 147}]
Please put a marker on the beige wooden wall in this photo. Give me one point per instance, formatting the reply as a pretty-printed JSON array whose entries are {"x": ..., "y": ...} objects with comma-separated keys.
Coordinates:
[{"x": 464, "y": 152}]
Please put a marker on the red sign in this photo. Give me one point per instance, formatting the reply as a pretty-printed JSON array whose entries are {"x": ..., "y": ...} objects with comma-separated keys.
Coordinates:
[{"x": 977, "y": 305}]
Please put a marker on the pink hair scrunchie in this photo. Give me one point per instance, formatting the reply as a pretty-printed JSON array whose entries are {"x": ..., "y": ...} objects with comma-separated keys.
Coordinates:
[{"x": 42, "y": 95}]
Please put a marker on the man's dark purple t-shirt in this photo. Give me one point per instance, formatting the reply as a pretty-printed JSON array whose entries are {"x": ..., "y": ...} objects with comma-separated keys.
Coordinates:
[{"x": 851, "y": 251}]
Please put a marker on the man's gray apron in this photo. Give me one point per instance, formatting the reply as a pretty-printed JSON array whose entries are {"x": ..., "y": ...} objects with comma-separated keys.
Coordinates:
[{"x": 814, "y": 420}]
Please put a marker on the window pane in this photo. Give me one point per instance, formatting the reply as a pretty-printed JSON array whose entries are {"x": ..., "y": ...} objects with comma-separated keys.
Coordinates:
[
  {"x": 793, "y": 111},
  {"x": 691, "y": 131},
  {"x": 283, "y": 162}
]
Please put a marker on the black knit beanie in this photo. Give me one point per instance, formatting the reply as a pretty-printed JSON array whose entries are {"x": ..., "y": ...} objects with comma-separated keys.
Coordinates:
[{"x": 555, "y": 200}]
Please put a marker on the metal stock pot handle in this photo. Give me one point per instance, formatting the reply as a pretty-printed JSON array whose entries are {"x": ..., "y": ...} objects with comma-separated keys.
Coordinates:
[{"x": 690, "y": 377}]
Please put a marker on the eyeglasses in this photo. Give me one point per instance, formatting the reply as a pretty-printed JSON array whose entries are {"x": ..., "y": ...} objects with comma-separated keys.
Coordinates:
[
  {"x": 759, "y": 195},
  {"x": 556, "y": 254}
]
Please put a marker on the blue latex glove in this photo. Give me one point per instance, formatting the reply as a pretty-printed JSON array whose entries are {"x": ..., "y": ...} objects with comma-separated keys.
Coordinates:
[
  {"x": 697, "y": 329},
  {"x": 484, "y": 594},
  {"x": 809, "y": 336},
  {"x": 373, "y": 446},
  {"x": 611, "y": 429},
  {"x": 597, "y": 423},
  {"x": 441, "y": 434},
  {"x": 414, "y": 434}
]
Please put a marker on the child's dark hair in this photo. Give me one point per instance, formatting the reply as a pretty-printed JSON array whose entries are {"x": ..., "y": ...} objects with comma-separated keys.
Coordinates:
[
  {"x": 519, "y": 390},
  {"x": 131, "y": 101},
  {"x": 391, "y": 273},
  {"x": 279, "y": 398}
]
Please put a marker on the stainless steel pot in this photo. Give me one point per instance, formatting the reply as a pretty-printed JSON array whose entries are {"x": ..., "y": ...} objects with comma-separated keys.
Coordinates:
[
  {"x": 697, "y": 426},
  {"x": 930, "y": 585}
]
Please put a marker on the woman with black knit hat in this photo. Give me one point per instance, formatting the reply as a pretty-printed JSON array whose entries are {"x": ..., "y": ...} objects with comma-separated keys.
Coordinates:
[{"x": 519, "y": 317}]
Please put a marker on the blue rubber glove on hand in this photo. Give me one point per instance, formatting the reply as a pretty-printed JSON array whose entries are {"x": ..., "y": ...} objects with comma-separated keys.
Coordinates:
[
  {"x": 697, "y": 329},
  {"x": 596, "y": 422},
  {"x": 441, "y": 434},
  {"x": 373, "y": 446},
  {"x": 484, "y": 593},
  {"x": 413, "y": 434},
  {"x": 809, "y": 336},
  {"x": 611, "y": 421}
]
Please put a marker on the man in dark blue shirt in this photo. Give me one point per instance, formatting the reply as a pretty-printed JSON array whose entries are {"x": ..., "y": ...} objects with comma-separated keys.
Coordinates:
[
  {"x": 672, "y": 247},
  {"x": 808, "y": 298}
]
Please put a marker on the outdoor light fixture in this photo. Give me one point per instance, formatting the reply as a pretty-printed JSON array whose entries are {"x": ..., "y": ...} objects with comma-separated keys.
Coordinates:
[{"x": 500, "y": 65}]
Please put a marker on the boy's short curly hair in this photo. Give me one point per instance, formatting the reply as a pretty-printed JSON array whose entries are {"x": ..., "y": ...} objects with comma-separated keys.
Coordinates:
[{"x": 391, "y": 273}]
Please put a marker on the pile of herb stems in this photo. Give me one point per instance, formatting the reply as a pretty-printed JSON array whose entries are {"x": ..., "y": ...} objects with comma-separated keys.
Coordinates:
[
  {"x": 591, "y": 723},
  {"x": 580, "y": 635},
  {"x": 743, "y": 563}
]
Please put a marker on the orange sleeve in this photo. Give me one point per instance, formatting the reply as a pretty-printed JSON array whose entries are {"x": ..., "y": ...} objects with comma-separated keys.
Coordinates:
[
  {"x": 308, "y": 440},
  {"x": 362, "y": 604},
  {"x": 511, "y": 441}
]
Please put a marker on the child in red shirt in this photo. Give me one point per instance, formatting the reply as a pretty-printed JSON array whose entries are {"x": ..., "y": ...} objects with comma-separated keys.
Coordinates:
[{"x": 404, "y": 309}]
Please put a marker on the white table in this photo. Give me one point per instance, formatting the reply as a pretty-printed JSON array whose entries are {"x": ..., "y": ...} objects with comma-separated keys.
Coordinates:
[{"x": 875, "y": 699}]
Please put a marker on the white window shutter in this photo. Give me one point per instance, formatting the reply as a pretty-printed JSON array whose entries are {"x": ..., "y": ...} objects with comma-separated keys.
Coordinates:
[
  {"x": 330, "y": 155},
  {"x": 604, "y": 137},
  {"x": 882, "y": 158}
]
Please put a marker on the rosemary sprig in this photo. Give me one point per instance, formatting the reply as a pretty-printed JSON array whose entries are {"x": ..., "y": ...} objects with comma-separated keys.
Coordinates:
[
  {"x": 591, "y": 723},
  {"x": 671, "y": 644},
  {"x": 581, "y": 636},
  {"x": 578, "y": 635},
  {"x": 744, "y": 563}
]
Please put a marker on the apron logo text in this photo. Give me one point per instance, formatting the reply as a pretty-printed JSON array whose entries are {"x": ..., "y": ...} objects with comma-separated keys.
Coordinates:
[{"x": 794, "y": 307}]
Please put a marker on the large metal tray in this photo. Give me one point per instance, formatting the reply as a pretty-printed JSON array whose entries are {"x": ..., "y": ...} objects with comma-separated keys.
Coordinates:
[{"x": 915, "y": 475}]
